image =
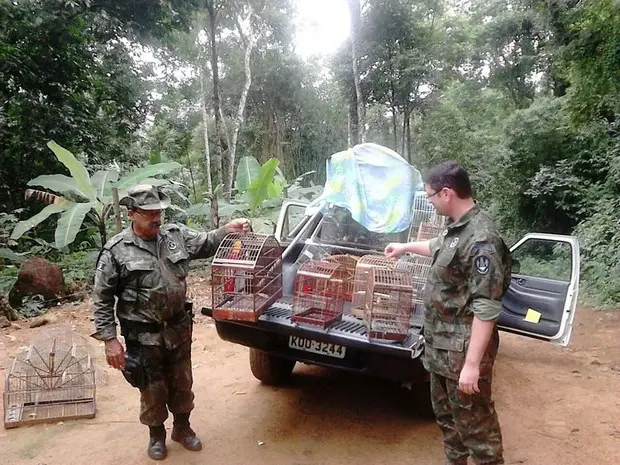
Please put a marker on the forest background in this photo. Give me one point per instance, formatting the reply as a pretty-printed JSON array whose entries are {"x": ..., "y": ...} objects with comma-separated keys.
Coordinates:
[{"x": 214, "y": 97}]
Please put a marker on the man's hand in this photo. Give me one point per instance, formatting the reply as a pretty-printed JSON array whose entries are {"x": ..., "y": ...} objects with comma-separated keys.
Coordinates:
[
  {"x": 468, "y": 380},
  {"x": 395, "y": 250},
  {"x": 239, "y": 225},
  {"x": 115, "y": 353}
]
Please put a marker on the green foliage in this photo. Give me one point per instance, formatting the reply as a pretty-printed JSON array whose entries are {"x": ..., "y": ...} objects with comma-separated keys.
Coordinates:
[
  {"x": 96, "y": 192},
  {"x": 66, "y": 76},
  {"x": 78, "y": 268},
  {"x": 593, "y": 59},
  {"x": 247, "y": 170}
]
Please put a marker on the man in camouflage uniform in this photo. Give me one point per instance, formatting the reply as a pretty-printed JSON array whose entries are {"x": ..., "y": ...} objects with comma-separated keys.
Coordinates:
[
  {"x": 143, "y": 269},
  {"x": 469, "y": 275}
]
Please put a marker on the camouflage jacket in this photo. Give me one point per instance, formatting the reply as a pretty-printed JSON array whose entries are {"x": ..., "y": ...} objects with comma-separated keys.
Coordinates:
[
  {"x": 469, "y": 276},
  {"x": 146, "y": 278}
]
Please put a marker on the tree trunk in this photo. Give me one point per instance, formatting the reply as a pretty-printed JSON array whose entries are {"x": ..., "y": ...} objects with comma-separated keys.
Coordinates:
[
  {"x": 402, "y": 152},
  {"x": 409, "y": 138},
  {"x": 393, "y": 107},
  {"x": 220, "y": 162},
  {"x": 355, "y": 14},
  {"x": 353, "y": 131},
  {"x": 205, "y": 122},
  {"x": 191, "y": 174},
  {"x": 232, "y": 149},
  {"x": 395, "y": 127}
]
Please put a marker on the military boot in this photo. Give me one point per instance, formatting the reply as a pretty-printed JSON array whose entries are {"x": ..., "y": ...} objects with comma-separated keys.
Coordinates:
[
  {"x": 184, "y": 434},
  {"x": 157, "y": 443}
]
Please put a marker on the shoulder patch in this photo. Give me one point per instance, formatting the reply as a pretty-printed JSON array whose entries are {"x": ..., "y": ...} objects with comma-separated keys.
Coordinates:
[{"x": 483, "y": 263}]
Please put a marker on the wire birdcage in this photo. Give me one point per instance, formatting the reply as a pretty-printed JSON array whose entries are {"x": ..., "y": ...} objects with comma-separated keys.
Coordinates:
[
  {"x": 318, "y": 298},
  {"x": 349, "y": 262},
  {"x": 423, "y": 212},
  {"x": 388, "y": 304},
  {"x": 246, "y": 276},
  {"x": 52, "y": 379}
]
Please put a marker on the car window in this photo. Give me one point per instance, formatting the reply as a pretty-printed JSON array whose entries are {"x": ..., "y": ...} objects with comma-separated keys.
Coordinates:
[{"x": 543, "y": 259}]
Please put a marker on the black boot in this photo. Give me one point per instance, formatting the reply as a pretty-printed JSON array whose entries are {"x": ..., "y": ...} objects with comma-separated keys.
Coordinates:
[
  {"x": 157, "y": 442},
  {"x": 184, "y": 434}
]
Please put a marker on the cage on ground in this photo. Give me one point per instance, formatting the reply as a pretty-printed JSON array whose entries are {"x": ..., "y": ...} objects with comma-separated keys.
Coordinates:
[
  {"x": 50, "y": 380},
  {"x": 246, "y": 276},
  {"x": 319, "y": 293}
]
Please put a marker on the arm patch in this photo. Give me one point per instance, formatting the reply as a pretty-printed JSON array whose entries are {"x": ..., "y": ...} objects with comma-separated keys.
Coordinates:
[{"x": 483, "y": 263}]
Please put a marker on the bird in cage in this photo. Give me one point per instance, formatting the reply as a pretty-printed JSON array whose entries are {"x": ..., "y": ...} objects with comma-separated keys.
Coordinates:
[{"x": 234, "y": 284}]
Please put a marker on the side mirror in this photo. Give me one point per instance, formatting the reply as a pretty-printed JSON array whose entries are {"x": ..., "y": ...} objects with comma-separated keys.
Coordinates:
[{"x": 516, "y": 266}]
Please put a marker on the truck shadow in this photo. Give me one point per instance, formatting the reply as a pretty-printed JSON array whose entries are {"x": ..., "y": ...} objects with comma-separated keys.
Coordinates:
[{"x": 330, "y": 392}]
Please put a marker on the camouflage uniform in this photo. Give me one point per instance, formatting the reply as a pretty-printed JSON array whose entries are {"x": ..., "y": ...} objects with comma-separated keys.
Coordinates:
[
  {"x": 148, "y": 279},
  {"x": 469, "y": 276}
]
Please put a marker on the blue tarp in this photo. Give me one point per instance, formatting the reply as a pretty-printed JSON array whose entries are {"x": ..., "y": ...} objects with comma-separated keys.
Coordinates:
[{"x": 374, "y": 183}]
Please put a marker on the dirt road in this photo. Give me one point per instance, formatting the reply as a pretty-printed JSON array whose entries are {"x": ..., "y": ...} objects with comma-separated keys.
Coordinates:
[{"x": 557, "y": 406}]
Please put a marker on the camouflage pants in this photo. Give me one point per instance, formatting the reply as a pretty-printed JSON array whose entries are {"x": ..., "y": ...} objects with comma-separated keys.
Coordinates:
[
  {"x": 469, "y": 423},
  {"x": 168, "y": 381}
]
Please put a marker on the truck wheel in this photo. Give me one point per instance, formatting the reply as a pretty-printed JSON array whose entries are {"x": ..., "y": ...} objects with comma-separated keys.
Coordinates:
[
  {"x": 269, "y": 368},
  {"x": 421, "y": 403}
]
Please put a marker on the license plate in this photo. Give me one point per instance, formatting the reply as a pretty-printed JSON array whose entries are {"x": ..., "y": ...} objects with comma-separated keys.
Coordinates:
[{"x": 317, "y": 347}]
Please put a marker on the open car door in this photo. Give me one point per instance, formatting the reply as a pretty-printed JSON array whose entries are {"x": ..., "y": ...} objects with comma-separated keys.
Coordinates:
[{"x": 542, "y": 297}]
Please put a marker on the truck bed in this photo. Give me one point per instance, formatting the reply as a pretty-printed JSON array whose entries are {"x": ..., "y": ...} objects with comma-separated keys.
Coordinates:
[{"x": 274, "y": 329}]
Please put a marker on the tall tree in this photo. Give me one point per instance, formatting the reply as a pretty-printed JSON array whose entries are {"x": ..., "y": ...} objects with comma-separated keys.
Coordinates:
[
  {"x": 356, "y": 24},
  {"x": 214, "y": 8}
]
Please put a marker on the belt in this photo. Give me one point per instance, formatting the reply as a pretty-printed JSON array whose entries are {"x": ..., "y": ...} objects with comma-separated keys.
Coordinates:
[{"x": 154, "y": 327}]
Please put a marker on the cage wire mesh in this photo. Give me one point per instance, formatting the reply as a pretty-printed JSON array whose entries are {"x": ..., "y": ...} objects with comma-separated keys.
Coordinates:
[
  {"x": 423, "y": 212},
  {"x": 418, "y": 268},
  {"x": 52, "y": 379},
  {"x": 246, "y": 276},
  {"x": 318, "y": 299},
  {"x": 388, "y": 304}
]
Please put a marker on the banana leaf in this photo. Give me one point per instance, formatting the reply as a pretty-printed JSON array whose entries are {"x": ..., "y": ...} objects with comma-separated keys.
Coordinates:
[
  {"x": 136, "y": 177},
  {"x": 77, "y": 170},
  {"x": 101, "y": 180},
  {"x": 70, "y": 222},
  {"x": 247, "y": 170},
  {"x": 57, "y": 183},
  {"x": 258, "y": 190},
  {"x": 26, "y": 225}
]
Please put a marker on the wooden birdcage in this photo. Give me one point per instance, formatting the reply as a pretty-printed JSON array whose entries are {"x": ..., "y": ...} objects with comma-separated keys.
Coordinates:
[
  {"x": 52, "y": 379},
  {"x": 349, "y": 262},
  {"x": 429, "y": 231},
  {"x": 418, "y": 268},
  {"x": 318, "y": 298},
  {"x": 388, "y": 304},
  {"x": 360, "y": 282},
  {"x": 246, "y": 276}
]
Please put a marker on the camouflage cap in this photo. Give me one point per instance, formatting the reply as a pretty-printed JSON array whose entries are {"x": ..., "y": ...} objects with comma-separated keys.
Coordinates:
[{"x": 145, "y": 197}]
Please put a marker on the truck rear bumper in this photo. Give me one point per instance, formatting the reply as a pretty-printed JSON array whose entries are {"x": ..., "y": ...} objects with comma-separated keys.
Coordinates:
[{"x": 273, "y": 331}]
